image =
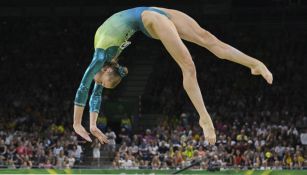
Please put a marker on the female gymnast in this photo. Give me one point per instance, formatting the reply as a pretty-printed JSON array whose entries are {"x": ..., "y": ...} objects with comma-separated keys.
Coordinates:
[{"x": 169, "y": 26}]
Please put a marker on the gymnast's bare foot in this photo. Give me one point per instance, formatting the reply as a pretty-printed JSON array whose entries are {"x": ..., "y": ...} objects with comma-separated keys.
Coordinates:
[
  {"x": 97, "y": 133},
  {"x": 208, "y": 130},
  {"x": 261, "y": 69}
]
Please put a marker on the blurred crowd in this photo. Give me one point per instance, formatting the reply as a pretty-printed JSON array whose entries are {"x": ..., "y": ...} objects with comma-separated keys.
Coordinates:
[
  {"x": 240, "y": 144},
  {"x": 52, "y": 147}
]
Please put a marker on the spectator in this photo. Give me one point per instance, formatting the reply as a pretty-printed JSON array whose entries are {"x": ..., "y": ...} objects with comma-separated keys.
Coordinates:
[
  {"x": 242, "y": 136},
  {"x": 178, "y": 159},
  {"x": 155, "y": 162},
  {"x": 288, "y": 160},
  {"x": 57, "y": 148},
  {"x": 153, "y": 148},
  {"x": 189, "y": 152},
  {"x": 3, "y": 150},
  {"x": 201, "y": 151},
  {"x": 111, "y": 137},
  {"x": 126, "y": 163},
  {"x": 116, "y": 162},
  {"x": 163, "y": 148},
  {"x": 298, "y": 160},
  {"x": 47, "y": 164},
  {"x": 216, "y": 163},
  {"x": 71, "y": 161},
  {"x": 25, "y": 165},
  {"x": 96, "y": 151},
  {"x": 144, "y": 152},
  {"x": 124, "y": 135},
  {"x": 134, "y": 149},
  {"x": 11, "y": 164},
  {"x": 238, "y": 159},
  {"x": 60, "y": 160},
  {"x": 77, "y": 152},
  {"x": 123, "y": 148},
  {"x": 21, "y": 149},
  {"x": 148, "y": 136}
]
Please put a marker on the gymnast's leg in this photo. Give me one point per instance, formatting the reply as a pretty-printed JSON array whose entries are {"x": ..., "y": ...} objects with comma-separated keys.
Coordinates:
[
  {"x": 190, "y": 30},
  {"x": 160, "y": 27}
]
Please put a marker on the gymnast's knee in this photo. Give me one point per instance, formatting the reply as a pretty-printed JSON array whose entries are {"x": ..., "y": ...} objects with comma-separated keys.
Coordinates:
[{"x": 189, "y": 70}]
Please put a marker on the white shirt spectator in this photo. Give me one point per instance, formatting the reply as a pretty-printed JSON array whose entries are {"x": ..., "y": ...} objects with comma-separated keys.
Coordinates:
[
  {"x": 279, "y": 150},
  {"x": 60, "y": 161},
  {"x": 126, "y": 163},
  {"x": 153, "y": 149},
  {"x": 96, "y": 151},
  {"x": 56, "y": 150},
  {"x": 73, "y": 137},
  {"x": 257, "y": 143},
  {"x": 47, "y": 142},
  {"x": 9, "y": 139},
  {"x": 134, "y": 149},
  {"x": 292, "y": 131},
  {"x": 261, "y": 131},
  {"x": 165, "y": 143},
  {"x": 78, "y": 152},
  {"x": 284, "y": 128},
  {"x": 111, "y": 137},
  {"x": 71, "y": 161},
  {"x": 304, "y": 138},
  {"x": 232, "y": 143},
  {"x": 262, "y": 142}
]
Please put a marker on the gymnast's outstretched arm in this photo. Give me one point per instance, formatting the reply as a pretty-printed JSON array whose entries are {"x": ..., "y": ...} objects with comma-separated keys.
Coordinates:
[{"x": 82, "y": 94}]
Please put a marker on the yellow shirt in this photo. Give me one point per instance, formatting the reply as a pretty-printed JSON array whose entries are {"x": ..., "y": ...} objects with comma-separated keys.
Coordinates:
[
  {"x": 189, "y": 152},
  {"x": 300, "y": 159},
  {"x": 288, "y": 160}
]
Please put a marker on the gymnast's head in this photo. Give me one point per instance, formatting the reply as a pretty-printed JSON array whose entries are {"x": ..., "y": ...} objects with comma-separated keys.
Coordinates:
[{"x": 110, "y": 75}]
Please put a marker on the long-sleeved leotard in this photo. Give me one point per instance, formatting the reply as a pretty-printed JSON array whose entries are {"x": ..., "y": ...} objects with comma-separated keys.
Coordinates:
[
  {"x": 99, "y": 59},
  {"x": 110, "y": 39}
]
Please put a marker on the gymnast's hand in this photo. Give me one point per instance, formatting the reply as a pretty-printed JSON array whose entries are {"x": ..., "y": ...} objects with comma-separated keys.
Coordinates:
[
  {"x": 79, "y": 129},
  {"x": 97, "y": 133},
  {"x": 208, "y": 130}
]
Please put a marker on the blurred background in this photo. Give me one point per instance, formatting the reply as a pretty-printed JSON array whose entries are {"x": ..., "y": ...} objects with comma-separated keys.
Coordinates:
[{"x": 45, "y": 47}]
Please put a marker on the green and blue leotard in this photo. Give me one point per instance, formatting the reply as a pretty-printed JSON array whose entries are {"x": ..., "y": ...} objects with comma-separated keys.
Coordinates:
[{"x": 110, "y": 39}]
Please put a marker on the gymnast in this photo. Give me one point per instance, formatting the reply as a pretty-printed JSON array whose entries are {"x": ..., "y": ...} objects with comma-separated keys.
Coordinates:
[{"x": 170, "y": 27}]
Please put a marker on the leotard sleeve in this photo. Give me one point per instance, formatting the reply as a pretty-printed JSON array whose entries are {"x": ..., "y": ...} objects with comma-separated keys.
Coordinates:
[
  {"x": 95, "y": 100},
  {"x": 82, "y": 92}
]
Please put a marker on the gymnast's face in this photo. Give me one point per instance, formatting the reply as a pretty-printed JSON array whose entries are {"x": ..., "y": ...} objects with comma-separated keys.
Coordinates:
[{"x": 107, "y": 77}]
